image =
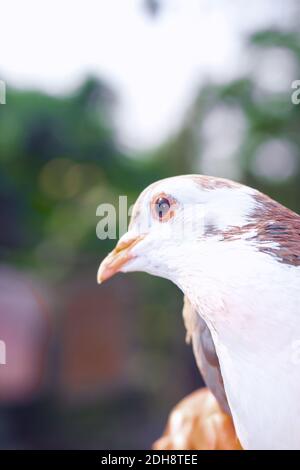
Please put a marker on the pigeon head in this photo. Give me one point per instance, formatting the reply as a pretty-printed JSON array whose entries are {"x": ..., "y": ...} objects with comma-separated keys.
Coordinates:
[{"x": 173, "y": 221}]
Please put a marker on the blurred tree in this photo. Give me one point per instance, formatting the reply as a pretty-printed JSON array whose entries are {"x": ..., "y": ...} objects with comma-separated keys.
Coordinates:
[
  {"x": 262, "y": 122},
  {"x": 59, "y": 159}
]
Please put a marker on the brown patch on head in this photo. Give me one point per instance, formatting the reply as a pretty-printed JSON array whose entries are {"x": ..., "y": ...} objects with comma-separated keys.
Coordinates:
[
  {"x": 272, "y": 223},
  {"x": 210, "y": 182},
  {"x": 280, "y": 225}
]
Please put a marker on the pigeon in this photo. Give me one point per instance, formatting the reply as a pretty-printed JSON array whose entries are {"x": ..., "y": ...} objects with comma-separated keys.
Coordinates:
[{"x": 235, "y": 254}]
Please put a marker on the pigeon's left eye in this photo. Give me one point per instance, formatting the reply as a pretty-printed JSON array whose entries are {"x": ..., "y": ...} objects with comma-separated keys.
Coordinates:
[{"x": 163, "y": 207}]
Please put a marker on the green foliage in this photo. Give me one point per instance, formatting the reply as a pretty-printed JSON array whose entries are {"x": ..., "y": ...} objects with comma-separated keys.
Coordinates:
[{"x": 59, "y": 160}]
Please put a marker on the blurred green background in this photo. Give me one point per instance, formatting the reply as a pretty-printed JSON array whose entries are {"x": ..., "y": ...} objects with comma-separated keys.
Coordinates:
[{"x": 101, "y": 367}]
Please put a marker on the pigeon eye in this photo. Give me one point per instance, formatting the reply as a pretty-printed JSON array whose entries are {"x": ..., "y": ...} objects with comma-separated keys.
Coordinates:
[{"x": 163, "y": 207}]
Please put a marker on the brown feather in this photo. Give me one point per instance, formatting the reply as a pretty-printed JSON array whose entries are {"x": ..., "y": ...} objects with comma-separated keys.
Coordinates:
[
  {"x": 273, "y": 223},
  {"x": 205, "y": 353}
]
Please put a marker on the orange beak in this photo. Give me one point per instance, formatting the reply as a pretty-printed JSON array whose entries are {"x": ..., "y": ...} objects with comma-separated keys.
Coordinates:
[{"x": 115, "y": 260}]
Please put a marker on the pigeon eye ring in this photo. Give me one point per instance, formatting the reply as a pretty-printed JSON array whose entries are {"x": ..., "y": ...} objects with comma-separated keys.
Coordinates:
[{"x": 163, "y": 207}]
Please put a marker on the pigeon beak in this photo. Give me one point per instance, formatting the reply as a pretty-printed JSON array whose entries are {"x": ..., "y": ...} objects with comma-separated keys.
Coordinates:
[{"x": 115, "y": 260}]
